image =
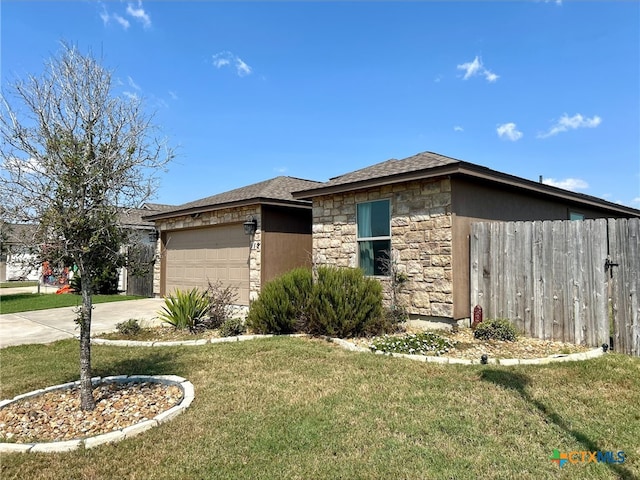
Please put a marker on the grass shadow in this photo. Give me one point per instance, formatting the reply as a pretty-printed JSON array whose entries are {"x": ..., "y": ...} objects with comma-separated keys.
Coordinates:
[
  {"x": 151, "y": 363},
  {"x": 518, "y": 383}
]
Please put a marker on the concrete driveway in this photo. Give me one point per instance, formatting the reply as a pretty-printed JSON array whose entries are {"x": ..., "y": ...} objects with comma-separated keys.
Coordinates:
[{"x": 45, "y": 326}]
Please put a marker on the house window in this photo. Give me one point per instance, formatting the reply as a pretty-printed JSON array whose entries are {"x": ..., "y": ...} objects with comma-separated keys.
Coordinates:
[
  {"x": 576, "y": 216},
  {"x": 374, "y": 236}
]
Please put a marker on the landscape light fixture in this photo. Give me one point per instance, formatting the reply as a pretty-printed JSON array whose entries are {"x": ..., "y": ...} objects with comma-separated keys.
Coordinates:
[{"x": 250, "y": 226}]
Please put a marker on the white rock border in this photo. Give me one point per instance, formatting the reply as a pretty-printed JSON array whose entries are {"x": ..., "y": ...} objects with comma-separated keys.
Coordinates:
[
  {"x": 572, "y": 357},
  {"x": 187, "y": 343},
  {"x": 188, "y": 394}
]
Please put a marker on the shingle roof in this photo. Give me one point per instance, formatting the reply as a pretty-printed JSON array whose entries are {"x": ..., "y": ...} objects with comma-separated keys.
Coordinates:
[
  {"x": 420, "y": 161},
  {"x": 432, "y": 165},
  {"x": 135, "y": 217},
  {"x": 277, "y": 189}
]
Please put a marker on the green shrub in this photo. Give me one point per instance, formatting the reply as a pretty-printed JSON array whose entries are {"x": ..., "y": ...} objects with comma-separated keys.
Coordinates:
[
  {"x": 283, "y": 304},
  {"x": 130, "y": 327},
  {"x": 344, "y": 302},
  {"x": 424, "y": 343},
  {"x": 391, "y": 321},
  {"x": 232, "y": 327},
  {"x": 105, "y": 281},
  {"x": 185, "y": 309},
  {"x": 496, "y": 329}
]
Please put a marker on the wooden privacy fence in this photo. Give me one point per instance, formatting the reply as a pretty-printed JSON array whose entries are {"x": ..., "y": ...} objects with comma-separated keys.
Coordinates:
[
  {"x": 571, "y": 281},
  {"x": 140, "y": 270}
]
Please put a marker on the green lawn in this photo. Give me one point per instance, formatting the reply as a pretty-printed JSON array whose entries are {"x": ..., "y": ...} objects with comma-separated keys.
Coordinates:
[
  {"x": 18, "y": 284},
  {"x": 288, "y": 408},
  {"x": 24, "y": 302}
]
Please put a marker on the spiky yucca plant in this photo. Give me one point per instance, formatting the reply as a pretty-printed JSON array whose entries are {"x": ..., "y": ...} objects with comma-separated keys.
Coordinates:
[{"x": 185, "y": 309}]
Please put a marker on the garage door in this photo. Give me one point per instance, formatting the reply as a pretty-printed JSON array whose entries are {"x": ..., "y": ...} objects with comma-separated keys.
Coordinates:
[{"x": 195, "y": 257}]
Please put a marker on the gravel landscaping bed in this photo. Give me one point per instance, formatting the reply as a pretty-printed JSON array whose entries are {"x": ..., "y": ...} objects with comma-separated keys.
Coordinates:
[
  {"x": 56, "y": 415},
  {"x": 470, "y": 348}
]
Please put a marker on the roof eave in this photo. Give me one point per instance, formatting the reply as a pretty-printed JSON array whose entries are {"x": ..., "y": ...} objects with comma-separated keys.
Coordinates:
[
  {"x": 378, "y": 181},
  {"x": 298, "y": 203},
  {"x": 474, "y": 171}
]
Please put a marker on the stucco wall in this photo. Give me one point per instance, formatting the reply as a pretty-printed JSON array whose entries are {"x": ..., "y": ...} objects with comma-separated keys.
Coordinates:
[
  {"x": 421, "y": 239},
  {"x": 209, "y": 219}
]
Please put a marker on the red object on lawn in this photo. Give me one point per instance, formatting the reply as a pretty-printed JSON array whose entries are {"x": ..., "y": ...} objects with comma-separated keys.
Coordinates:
[{"x": 65, "y": 289}]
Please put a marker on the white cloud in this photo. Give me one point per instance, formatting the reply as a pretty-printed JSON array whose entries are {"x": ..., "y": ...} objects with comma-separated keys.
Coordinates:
[
  {"x": 471, "y": 69},
  {"x": 29, "y": 166},
  {"x": 220, "y": 62},
  {"x": 242, "y": 68},
  {"x": 567, "y": 123},
  {"x": 226, "y": 58},
  {"x": 458, "y": 128},
  {"x": 133, "y": 84},
  {"x": 107, "y": 17},
  {"x": 222, "y": 59},
  {"x": 139, "y": 14},
  {"x": 636, "y": 201},
  {"x": 134, "y": 10},
  {"x": 490, "y": 76},
  {"x": 104, "y": 15},
  {"x": 280, "y": 169},
  {"x": 121, "y": 20},
  {"x": 509, "y": 131},
  {"x": 173, "y": 95},
  {"x": 130, "y": 95},
  {"x": 572, "y": 184}
]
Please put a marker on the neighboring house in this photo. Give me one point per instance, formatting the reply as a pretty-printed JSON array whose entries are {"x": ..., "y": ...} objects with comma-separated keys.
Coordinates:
[
  {"x": 17, "y": 262},
  {"x": 421, "y": 208},
  {"x": 205, "y": 241},
  {"x": 142, "y": 235}
]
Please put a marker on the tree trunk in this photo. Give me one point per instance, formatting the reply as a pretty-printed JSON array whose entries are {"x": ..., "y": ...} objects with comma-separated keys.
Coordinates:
[{"x": 87, "y": 402}]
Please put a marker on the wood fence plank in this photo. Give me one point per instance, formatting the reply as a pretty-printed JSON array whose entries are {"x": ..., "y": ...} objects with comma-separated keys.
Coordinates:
[
  {"x": 633, "y": 263},
  {"x": 549, "y": 278}
]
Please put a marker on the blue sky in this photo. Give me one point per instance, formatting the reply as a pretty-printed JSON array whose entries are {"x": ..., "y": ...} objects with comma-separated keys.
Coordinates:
[{"x": 252, "y": 90}]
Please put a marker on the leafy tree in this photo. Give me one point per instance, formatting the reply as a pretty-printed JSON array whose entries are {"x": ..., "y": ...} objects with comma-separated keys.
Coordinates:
[{"x": 72, "y": 155}]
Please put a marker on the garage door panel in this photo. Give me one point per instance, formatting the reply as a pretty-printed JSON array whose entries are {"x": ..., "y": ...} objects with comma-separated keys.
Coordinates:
[{"x": 195, "y": 257}]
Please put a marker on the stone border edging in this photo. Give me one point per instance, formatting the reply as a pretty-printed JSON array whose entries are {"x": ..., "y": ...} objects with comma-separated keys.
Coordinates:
[
  {"x": 202, "y": 341},
  {"x": 187, "y": 343},
  {"x": 572, "y": 357},
  {"x": 188, "y": 394}
]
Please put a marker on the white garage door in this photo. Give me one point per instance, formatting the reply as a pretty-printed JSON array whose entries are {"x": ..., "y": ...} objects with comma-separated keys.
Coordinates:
[{"x": 195, "y": 257}]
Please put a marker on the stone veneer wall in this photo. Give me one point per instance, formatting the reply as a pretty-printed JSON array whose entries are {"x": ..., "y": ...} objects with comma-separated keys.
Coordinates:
[
  {"x": 421, "y": 239},
  {"x": 217, "y": 217}
]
